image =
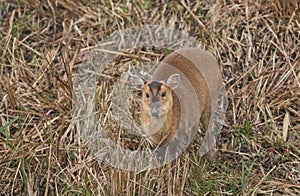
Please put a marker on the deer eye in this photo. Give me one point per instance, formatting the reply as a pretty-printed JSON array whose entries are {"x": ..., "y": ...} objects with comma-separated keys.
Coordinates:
[
  {"x": 147, "y": 95},
  {"x": 163, "y": 94}
]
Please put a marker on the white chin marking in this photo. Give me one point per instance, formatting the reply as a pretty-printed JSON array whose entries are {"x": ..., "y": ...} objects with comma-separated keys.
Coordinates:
[{"x": 154, "y": 125}]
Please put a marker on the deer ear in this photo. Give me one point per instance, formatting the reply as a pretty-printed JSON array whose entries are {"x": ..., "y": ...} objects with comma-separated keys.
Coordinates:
[
  {"x": 173, "y": 81},
  {"x": 136, "y": 81}
]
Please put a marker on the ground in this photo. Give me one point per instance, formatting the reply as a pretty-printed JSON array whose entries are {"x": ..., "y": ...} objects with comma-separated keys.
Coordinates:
[{"x": 256, "y": 44}]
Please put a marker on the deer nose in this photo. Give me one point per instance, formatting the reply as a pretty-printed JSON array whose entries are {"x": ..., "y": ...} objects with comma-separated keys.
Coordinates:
[
  {"x": 155, "y": 113},
  {"x": 154, "y": 109}
]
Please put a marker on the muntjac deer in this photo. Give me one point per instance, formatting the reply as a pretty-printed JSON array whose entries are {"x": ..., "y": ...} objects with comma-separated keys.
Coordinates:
[{"x": 183, "y": 90}]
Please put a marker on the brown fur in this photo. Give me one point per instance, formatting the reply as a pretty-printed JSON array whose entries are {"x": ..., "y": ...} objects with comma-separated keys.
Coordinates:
[
  {"x": 169, "y": 128},
  {"x": 199, "y": 73}
]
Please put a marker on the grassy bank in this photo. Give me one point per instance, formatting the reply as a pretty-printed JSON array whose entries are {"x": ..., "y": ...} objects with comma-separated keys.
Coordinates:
[{"x": 256, "y": 43}]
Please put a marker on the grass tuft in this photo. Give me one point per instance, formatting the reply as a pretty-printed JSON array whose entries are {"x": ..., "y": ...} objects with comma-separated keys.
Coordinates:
[{"x": 256, "y": 43}]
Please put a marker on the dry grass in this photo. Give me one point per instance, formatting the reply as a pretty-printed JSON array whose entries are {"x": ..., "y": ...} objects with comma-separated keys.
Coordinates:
[{"x": 257, "y": 44}]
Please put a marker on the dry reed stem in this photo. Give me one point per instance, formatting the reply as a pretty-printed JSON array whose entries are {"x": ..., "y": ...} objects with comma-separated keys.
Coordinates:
[{"x": 256, "y": 43}]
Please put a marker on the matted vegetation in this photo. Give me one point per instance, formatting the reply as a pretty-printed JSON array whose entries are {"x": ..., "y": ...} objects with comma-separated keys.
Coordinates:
[{"x": 256, "y": 43}]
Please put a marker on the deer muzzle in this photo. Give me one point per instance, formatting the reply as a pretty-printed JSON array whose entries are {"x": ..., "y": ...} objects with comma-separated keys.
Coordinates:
[{"x": 155, "y": 109}]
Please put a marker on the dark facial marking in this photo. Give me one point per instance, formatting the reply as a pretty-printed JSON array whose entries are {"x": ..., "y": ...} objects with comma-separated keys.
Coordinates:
[
  {"x": 155, "y": 87},
  {"x": 147, "y": 95}
]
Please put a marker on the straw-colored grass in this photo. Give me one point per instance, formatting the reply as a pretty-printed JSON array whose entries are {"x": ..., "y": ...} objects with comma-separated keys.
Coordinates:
[{"x": 257, "y": 44}]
